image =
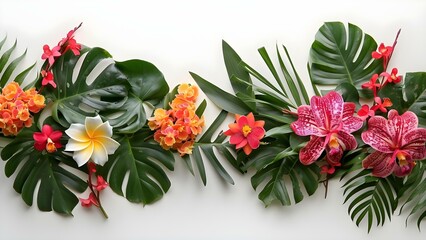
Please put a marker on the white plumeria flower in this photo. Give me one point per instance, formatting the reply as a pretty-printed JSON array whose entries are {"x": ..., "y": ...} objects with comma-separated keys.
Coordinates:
[{"x": 91, "y": 141}]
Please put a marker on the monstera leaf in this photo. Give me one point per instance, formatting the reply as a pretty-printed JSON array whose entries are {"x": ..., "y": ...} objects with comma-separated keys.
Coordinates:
[
  {"x": 409, "y": 97},
  {"x": 116, "y": 90},
  {"x": 340, "y": 55},
  {"x": 55, "y": 181},
  {"x": 147, "y": 181}
]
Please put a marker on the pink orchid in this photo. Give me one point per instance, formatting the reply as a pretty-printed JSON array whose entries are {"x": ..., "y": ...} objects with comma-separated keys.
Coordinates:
[
  {"x": 329, "y": 121},
  {"x": 89, "y": 201},
  {"x": 392, "y": 77},
  {"x": 246, "y": 133},
  {"x": 397, "y": 143},
  {"x": 382, "y": 52},
  {"x": 48, "y": 139},
  {"x": 372, "y": 84},
  {"x": 47, "y": 78},
  {"x": 50, "y": 54},
  {"x": 381, "y": 105},
  {"x": 101, "y": 183},
  {"x": 73, "y": 46},
  {"x": 365, "y": 111}
]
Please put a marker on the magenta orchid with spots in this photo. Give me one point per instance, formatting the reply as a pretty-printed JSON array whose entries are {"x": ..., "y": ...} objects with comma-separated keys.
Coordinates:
[
  {"x": 329, "y": 121},
  {"x": 397, "y": 142}
]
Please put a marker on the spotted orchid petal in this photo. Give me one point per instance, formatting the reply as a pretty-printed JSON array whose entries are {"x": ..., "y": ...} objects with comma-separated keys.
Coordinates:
[
  {"x": 328, "y": 110},
  {"x": 350, "y": 123},
  {"x": 305, "y": 125},
  {"x": 312, "y": 151},
  {"x": 377, "y": 135},
  {"x": 414, "y": 143},
  {"x": 381, "y": 163}
]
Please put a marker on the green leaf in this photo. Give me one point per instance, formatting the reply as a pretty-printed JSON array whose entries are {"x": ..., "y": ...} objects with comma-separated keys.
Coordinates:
[
  {"x": 117, "y": 93},
  {"x": 278, "y": 131},
  {"x": 222, "y": 99},
  {"x": 414, "y": 188},
  {"x": 234, "y": 68},
  {"x": 6, "y": 55},
  {"x": 370, "y": 196},
  {"x": 280, "y": 169},
  {"x": 36, "y": 167},
  {"x": 343, "y": 55},
  {"x": 10, "y": 68},
  {"x": 409, "y": 97},
  {"x": 147, "y": 181},
  {"x": 291, "y": 83},
  {"x": 348, "y": 92},
  {"x": 206, "y": 145}
]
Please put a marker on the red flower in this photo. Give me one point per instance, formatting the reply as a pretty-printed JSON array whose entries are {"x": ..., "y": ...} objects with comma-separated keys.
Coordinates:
[
  {"x": 246, "y": 133},
  {"x": 383, "y": 51},
  {"x": 102, "y": 184},
  {"x": 397, "y": 143},
  {"x": 365, "y": 112},
  {"x": 50, "y": 54},
  {"x": 73, "y": 46},
  {"x": 372, "y": 84},
  {"x": 47, "y": 139},
  {"x": 381, "y": 105},
  {"x": 329, "y": 121},
  {"x": 89, "y": 201},
  {"x": 47, "y": 78},
  {"x": 392, "y": 77}
]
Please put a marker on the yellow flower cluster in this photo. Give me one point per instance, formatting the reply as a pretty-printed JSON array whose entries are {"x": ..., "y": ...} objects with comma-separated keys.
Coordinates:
[
  {"x": 16, "y": 107},
  {"x": 178, "y": 127}
]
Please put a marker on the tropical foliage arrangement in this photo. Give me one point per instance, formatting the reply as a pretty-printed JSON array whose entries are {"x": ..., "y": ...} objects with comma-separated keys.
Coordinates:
[{"x": 89, "y": 122}]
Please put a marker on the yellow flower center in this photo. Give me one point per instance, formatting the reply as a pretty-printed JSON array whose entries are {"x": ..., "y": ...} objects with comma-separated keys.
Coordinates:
[
  {"x": 50, "y": 146},
  {"x": 333, "y": 143},
  {"x": 246, "y": 130}
]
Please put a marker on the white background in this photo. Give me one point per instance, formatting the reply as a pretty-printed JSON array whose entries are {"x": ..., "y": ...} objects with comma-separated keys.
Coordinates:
[{"x": 182, "y": 36}]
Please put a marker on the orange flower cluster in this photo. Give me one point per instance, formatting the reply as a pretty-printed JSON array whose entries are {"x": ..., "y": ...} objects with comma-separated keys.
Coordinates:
[
  {"x": 16, "y": 107},
  {"x": 178, "y": 127}
]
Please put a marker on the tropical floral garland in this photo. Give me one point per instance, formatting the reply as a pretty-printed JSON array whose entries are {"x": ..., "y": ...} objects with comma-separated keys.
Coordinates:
[{"x": 98, "y": 126}]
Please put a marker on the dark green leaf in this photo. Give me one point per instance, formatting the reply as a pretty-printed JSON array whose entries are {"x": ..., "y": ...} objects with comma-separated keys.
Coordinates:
[
  {"x": 341, "y": 55},
  {"x": 221, "y": 98},
  {"x": 117, "y": 93},
  {"x": 147, "y": 181},
  {"x": 234, "y": 69},
  {"x": 55, "y": 181},
  {"x": 10, "y": 68}
]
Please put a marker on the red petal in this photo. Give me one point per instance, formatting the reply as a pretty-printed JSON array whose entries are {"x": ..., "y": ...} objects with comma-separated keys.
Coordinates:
[
  {"x": 346, "y": 140},
  {"x": 241, "y": 144},
  {"x": 305, "y": 124},
  {"x": 413, "y": 142},
  {"x": 47, "y": 129},
  {"x": 39, "y": 146},
  {"x": 242, "y": 121},
  {"x": 376, "y": 55},
  {"x": 55, "y": 136},
  {"x": 40, "y": 137},
  {"x": 377, "y": 135},
  {"x": 236, "y": 138},
  {"x": 312, "y": 151},
  {"x": 250, "y": 119},
  {"x": 257, "y": 132},
  {"x": 381, "y": 163},
  {"x": 333, "y": 157},
  {"x": 247, "y": 149},
  {"x": 402, "y": 171},
  {"x": 328, "y": 110},
  {"x": 349, "y": 122},
  {"x": 253, "y": 142}
]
